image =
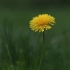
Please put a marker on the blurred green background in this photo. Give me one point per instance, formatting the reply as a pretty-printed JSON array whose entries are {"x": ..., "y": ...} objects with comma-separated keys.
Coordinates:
[{"x": 25, "y": 45}]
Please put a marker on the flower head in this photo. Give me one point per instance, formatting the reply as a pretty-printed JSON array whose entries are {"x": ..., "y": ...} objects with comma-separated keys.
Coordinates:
[{"x": 42, "y": 22}]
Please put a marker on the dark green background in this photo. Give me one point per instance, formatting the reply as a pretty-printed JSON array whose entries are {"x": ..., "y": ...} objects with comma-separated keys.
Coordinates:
[{"x": 24, "y": 44}]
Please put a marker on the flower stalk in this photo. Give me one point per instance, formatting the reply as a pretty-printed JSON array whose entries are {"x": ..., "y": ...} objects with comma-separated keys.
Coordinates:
[{"x": 42, "y": 51}]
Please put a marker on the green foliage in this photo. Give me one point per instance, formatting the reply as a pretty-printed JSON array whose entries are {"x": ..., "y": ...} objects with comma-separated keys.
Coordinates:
[{"x": 25, "y": 45}]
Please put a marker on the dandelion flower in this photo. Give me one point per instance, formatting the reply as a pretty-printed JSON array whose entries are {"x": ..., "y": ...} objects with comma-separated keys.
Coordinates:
[{"x": 42, "y": 22}]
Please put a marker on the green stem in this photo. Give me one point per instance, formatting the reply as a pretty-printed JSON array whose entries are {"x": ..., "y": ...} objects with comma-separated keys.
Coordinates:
[
  {"x": 42, "y": 51},
  {"x": 10, "y": 57}
]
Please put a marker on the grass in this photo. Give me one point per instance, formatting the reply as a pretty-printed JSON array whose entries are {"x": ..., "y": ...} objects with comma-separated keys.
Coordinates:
[{"x": 25, "y": 45}]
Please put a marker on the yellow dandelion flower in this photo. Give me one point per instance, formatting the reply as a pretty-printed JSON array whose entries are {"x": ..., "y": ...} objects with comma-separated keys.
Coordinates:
[{"x": 42, "y": 22}]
